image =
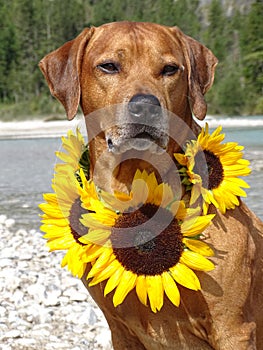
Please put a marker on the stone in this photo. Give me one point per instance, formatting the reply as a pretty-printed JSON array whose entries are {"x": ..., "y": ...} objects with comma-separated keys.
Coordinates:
[
  {"x": 13, "y": 334},
  {"x": 2, "y": 219},
  {"x": 9, "y": 223}
]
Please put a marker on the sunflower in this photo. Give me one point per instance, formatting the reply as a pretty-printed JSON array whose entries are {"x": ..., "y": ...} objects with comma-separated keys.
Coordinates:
[
  {"x": 62, "y": 211},
  {"x": 212, "y": 170},
  {"x": 74, "y": 147},
  {"x": 148, "y": 241}
]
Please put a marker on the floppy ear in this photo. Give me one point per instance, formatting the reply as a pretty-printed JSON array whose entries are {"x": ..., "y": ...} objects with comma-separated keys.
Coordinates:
[
  {"x": 61, "y": 69},
  {"x": 201, "y": 64}
]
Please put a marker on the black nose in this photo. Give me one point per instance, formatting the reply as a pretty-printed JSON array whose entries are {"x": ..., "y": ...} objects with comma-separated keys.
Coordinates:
[{"x": 142, "y": 106}]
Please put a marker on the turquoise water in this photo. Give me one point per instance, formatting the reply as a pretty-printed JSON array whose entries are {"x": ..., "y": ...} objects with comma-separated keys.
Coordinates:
[{"x": 26, "y": 169}]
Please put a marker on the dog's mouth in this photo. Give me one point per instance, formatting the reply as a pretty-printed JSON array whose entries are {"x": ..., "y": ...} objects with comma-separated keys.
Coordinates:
[{"x": 140, "y": 138}]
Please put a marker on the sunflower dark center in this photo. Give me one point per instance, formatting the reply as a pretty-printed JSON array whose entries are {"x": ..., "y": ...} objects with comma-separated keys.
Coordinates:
[
  {"x": 76, "y": 227},
  {"x": 143, "y": 241},
  {"x": 212, "y": 172},
  {"x": 151, "y": 243}
]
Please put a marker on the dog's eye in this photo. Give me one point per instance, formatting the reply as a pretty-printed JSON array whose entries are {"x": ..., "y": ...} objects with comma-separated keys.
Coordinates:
[
  {"x": 109, "y": 67},
  {"x": 170, "y": 69}
]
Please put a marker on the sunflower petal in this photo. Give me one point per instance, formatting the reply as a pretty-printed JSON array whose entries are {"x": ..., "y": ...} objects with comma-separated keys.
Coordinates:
[
  {"x": 198, "y": 246},
  {"x": 102, "y": 260},
  {"x": 114, "y": 280},
  {"x": 95, "y": 236},
  {"x": 195, "y": 226},
  {"x": 181, "y": 158},
  {"x": 170, "y": 288},
  {"x": 155, "y": 292},
  {"x": 141, "y": 289},
  {"x": 185, "y": 276},
  {"x": 101, "y": 275},
  {"x": 126, "y": 284},
  {"x": 196, "y": 261}
]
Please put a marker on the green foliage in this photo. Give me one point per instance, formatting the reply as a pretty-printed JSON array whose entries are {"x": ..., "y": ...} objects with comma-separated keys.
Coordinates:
[
  {"x": 30, "y": 29},
  {"x": 251, "y": 45},
  {"x": 213, "y": 33}
]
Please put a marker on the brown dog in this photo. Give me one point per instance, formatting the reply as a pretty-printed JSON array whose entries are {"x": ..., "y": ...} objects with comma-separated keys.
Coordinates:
[{"x": 138, "y": 64}]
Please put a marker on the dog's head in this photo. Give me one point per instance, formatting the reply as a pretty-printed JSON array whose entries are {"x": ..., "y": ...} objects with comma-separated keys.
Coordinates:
[{"x": 141, "y": 70}]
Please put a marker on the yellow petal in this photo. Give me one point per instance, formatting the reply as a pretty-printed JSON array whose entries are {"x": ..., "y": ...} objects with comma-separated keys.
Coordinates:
[
  {"x": 198, "y": 246},
  {"x": 237, "y": 181},
  {"x": 178, "y": 209},
  {"x": 163, "y": 195},
  {"x": 139, "y": 191},
  {"x": 114, "y": 280},
  {"x": 170, "y": 288},
  {"x": 61, "y": 243},
  {"x": 95, "y": 236},
  {"x": 96, "y": 221},
  {"x": 185, "y": 276},
  {"x": 195, "y": 193},
  {"x": 141, "y": 289},
  {"x": 205, "y": 207},
  {"x": 196, "y": 225},
  {"x": 118, "y": 202},
  {"x": 155, "y": 292},
  {"x": 181, "y": 158},
  {"x": 196, "y": 261},
  {"x": 101, "y": 261},
  {"x": 126, "y": 284},
  {"x": 104, "y": 274},
  {"x": 152, "y": 184},
  {"x": 94, "y": 252}
]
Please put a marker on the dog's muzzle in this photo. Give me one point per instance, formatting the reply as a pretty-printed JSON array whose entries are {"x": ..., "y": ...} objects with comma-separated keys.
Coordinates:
[{"x": 142, "y": 126}]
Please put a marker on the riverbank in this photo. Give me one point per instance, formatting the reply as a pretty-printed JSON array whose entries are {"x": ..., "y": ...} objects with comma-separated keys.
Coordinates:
[
  {"x": 37, "y": 128},
  {"x": 42, "y": 306}
]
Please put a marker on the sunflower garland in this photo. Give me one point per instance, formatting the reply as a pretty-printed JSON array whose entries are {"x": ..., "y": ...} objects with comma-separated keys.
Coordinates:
[{"x": 145, "y": 240}]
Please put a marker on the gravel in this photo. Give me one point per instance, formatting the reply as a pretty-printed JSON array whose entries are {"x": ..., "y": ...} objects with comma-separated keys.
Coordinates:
[{"x": 41, "y": 305}]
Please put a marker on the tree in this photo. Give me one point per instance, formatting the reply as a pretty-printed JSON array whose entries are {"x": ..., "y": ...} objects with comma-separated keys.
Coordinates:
[
  {"x": 9, "y": 51},
  {"x": 251, "y": 45},
  {"x": 213, "y": 35}
]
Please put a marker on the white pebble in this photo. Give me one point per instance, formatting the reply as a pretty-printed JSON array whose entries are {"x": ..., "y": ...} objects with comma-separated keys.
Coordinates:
[
  {"x": 13, "y": 334},
  {"x": 3, "y": 219},
  {"x": 2, "y": 311},
  {"x": 5, "y": 263},
  {"x": 104, "y": 339},
  {"x": 26, "y": 342},
  {"x": 9, "y": 223},
  {"x": 77, "y": 296}
]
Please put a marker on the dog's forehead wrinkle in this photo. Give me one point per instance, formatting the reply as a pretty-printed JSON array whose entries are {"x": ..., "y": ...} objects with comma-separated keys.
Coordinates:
[{"x": 136, "y": 39}]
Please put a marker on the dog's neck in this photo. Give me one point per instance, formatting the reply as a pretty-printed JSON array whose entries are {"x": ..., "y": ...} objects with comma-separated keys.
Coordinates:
[{"x": 115, "y": 172}]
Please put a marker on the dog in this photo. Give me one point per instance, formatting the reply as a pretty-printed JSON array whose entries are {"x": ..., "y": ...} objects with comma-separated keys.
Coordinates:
[{"x": 136, "y": 64}]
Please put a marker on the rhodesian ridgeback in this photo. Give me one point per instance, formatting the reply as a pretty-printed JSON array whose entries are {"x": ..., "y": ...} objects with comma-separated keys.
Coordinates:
[{"x": 136, "y": 64}]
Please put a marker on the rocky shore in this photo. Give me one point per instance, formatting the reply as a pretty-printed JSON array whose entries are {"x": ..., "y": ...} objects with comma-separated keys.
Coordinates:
[{"x": 41, "y": 305}]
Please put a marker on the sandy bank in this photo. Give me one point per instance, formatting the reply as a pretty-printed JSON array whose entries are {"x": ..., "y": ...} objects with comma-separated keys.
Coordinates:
[{"x": 38, "y": 128}]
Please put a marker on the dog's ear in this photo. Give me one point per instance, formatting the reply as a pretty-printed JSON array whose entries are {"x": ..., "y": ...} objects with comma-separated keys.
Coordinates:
[
  {"x": 201, "y": 64},
  {"x": 61, "y": 69}
]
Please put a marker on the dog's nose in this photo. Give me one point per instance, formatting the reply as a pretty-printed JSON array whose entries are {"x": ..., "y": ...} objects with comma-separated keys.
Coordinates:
[{"x": 144, "y": 106}]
